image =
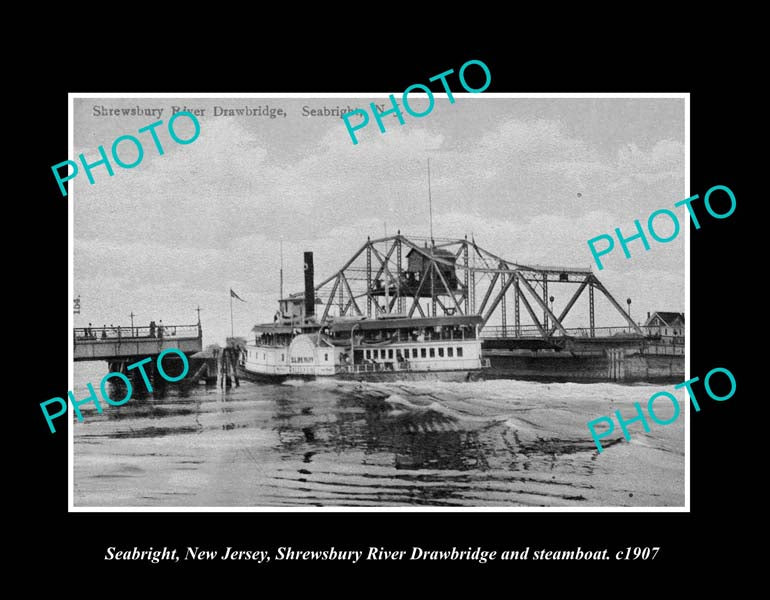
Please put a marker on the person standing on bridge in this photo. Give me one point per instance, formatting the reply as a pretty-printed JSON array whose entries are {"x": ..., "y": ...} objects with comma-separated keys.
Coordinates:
[
  {"x": 160, "y": 329},
  {"x": 152, "y": 329}
]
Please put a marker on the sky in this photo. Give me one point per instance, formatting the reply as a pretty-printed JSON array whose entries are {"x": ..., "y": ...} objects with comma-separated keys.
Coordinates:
[{"x": 530, "y": 179}]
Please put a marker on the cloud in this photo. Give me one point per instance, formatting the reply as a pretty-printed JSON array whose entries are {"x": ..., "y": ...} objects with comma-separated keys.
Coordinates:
[{"x": 184, "y": 227}]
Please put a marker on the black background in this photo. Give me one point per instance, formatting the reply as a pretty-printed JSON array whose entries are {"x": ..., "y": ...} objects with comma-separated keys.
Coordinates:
[{"x": 73, "y": 545}]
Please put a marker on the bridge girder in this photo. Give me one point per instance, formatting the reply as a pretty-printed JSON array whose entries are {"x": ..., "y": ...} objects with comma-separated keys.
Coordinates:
[{"x": 452, "y": 274}]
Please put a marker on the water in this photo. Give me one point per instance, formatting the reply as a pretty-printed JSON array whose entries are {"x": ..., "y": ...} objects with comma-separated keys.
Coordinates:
[{"x": 330, "y": 443}]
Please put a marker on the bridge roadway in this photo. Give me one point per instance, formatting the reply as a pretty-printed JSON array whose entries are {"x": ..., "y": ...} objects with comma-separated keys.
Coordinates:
[
  {"x": 116, "y": 343},
  {"x": 504, "y": 340}
]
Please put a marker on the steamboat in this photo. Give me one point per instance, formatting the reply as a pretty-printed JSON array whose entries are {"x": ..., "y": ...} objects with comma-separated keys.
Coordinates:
[{"x": 386, "y": 346}]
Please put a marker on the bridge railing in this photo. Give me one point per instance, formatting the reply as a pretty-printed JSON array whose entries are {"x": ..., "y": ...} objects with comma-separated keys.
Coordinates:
[
  {"x": 531, "y": 331},
  {"x": 91, "y": 334},
  {"x": 664, "y": 349},
  {"x": 557, "y": 268}
]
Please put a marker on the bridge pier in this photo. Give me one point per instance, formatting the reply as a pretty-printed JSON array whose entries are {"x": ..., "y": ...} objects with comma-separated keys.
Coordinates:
[{"x": 172, "y": 366}]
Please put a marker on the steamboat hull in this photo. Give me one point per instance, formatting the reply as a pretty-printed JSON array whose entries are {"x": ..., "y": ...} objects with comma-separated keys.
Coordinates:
[
  {"x": 456, "y": 376},
  {"x": 383, "y": 376},
  {"x": 267, "y": 377}
]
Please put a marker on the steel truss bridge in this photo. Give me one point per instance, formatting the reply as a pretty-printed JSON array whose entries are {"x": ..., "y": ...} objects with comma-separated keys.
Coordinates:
[{"x": 402, "y": 276}]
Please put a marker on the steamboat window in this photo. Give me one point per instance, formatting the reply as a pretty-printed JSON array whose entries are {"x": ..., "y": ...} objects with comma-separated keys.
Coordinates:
[
  {"x": 326, "y": 357},
  {"x": 366, "y": 354},
  {"x": 459, "y": 351},
  {"x": 390, "y": 353},
  {"x": 432, "y": 352},
  {"x": 281, "y": 357},
  {"x": 450, "y": 352},
  {"x": 441, "y": 352},
  {"x": 422, "y": 352},
  {"x": 414, "y": 352}
]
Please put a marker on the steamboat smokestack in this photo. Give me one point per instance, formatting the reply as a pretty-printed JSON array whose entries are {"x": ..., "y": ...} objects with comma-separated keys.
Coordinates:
[{"x": 309, "y": 286}]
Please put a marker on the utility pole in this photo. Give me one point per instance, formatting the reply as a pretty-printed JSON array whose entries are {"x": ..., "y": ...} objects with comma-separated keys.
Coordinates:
[
  {"x": 628, "y": 301},
  {"x": 430, "y": 207},
  {"x": 280, "y": 297}
]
